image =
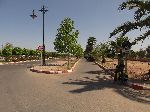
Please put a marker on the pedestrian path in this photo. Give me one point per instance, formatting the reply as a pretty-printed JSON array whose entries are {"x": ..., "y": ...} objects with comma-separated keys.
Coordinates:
[{"x": 90, "y": 82}]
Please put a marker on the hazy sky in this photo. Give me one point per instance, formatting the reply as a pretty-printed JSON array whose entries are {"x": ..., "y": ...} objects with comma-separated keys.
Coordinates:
[{"x": 92, "y": 18}]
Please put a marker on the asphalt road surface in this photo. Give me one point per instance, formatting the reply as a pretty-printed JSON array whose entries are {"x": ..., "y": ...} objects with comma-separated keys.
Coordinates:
[{"x": 86, "y": 89}]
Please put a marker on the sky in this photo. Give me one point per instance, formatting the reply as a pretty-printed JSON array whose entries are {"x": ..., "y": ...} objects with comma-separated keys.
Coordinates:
[{"x": 96, "y": 18}]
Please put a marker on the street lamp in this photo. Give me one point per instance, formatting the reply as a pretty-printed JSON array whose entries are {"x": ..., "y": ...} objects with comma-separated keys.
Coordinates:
[{"x": 43, "y": 10}]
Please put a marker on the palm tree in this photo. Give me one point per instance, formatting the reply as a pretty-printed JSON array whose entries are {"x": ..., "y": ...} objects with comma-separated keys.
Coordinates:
[
  {"x": 90, "y": 46},
  {"x": 120, "y": 44},
  {"x": 91, "y": 41},
  {"x": 141, "y": 19},
  {"x": 118, "y": 47}
]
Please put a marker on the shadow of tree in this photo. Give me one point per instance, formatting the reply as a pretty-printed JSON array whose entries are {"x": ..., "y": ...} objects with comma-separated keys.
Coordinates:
[
  {"x": 100, "y": 72},
  {"x": 96, "y": 72},
  {"x": 99, "y": 83},
  {"x": 90, "y": 84},
  {"x": 142, "y": 96}
]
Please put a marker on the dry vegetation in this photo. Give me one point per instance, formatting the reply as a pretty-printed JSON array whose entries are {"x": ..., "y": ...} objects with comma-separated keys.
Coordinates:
[{"x": 135, "y": 68}]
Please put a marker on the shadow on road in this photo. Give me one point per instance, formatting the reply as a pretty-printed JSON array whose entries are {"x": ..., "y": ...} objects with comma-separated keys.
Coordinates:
[
  {"x": 100, "y": 83},
  {"x": 96, "y": 72},
  {"x": 101, "y": 71}
]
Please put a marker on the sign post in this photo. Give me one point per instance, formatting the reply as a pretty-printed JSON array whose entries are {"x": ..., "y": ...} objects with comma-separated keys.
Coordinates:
[
  {"x": 40, "y": 48},
  {"x": 41, "y": 58}
]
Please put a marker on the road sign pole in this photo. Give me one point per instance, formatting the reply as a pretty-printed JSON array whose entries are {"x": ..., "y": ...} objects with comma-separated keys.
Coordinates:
[{"x": 41, "y": 59}]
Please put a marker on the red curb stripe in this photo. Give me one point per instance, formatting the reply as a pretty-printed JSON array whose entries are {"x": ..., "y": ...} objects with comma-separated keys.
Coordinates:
[
  {"x": 46, "y": 72},
  {"x": 136, "y": 87},
  {"x": 52, "y": 72}
]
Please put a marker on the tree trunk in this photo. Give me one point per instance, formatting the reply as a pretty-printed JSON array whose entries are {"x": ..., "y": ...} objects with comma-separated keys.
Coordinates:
[
  {"x": 120, "y": 58},
  {"x": 68, "y": 66},
  {"x": 126, "y": 57}
]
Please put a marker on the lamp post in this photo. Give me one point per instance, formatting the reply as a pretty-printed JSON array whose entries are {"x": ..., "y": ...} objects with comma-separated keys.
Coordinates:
[{"x": 43, "y": 10}]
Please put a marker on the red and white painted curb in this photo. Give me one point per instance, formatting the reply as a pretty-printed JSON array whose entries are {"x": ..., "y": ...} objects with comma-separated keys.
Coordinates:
[
  {"x": 50, "y": 72},
  {"x": 137, "y": 86},
  {"x": 54, "y": 72}
]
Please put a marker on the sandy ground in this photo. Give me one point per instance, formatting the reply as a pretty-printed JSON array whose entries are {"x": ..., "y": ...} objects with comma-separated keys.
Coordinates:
[
  {"x": 135, "y": 68},
  {"x": 56, "y": 66}
]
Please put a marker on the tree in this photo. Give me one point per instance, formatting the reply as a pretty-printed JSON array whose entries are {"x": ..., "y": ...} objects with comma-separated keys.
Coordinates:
[
  {"x": 8, "y": 45},
  {"x": 89, "y": 47},
  {"x": 77, "y": 50},
  {"x": 101, "y": 50},
  {"x": 17, "y": 51},
  {"x": 90, "y": 44},
  {"x": 141, "y": 19},
  {"x": 66, "y": 37},
  {"x": 141, "y": 54},
  {"x": 7, "y": 51},
  {"x": 148, "y": 52},
  {"x": 119, "y": 46},
  {"x": 26, "y": 53},
  {"x": 132, "y": 54},
  {"x": 0, "y": 52}
]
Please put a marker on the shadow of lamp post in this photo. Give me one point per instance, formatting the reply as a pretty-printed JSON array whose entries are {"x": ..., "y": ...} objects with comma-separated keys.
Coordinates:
[{"x": 43, "y": 10}]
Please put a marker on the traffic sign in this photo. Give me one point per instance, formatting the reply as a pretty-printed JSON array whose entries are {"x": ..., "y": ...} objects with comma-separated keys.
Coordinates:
[{"x": 40, "y": 48}]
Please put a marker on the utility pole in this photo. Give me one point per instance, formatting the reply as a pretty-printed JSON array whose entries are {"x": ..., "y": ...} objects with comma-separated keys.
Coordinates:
[{"x": 43, "y": 10}]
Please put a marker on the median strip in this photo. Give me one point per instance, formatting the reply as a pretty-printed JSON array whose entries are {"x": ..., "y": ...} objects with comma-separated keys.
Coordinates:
[{"x": 55, "y": 69}]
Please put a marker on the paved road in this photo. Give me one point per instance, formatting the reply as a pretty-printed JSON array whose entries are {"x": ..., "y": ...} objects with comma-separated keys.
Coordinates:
[{"x": 87, "y": 89}]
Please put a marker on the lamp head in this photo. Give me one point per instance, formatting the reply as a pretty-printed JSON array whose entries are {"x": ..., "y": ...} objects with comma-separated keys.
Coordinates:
[{"x": 33, "y": 15}]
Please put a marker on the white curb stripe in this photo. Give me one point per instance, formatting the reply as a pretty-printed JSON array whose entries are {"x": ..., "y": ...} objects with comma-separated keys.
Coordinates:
[
  {"x": 69, "y": 70},
  {"x": 52, "y": 72},
  {"x": 59, "y": 72}
]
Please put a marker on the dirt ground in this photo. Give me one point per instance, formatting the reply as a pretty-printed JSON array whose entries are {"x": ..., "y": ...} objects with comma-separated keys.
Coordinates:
[
  {"x": 134, "y": 68},
  {"x": 57, "y": 65}
]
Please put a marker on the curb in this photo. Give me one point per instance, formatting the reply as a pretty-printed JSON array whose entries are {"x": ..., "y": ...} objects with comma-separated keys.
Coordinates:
[
  {"x": 5, "y": 63},
  {"x": 54, "y": 72},
  {"x": 135, "y": 86}
]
